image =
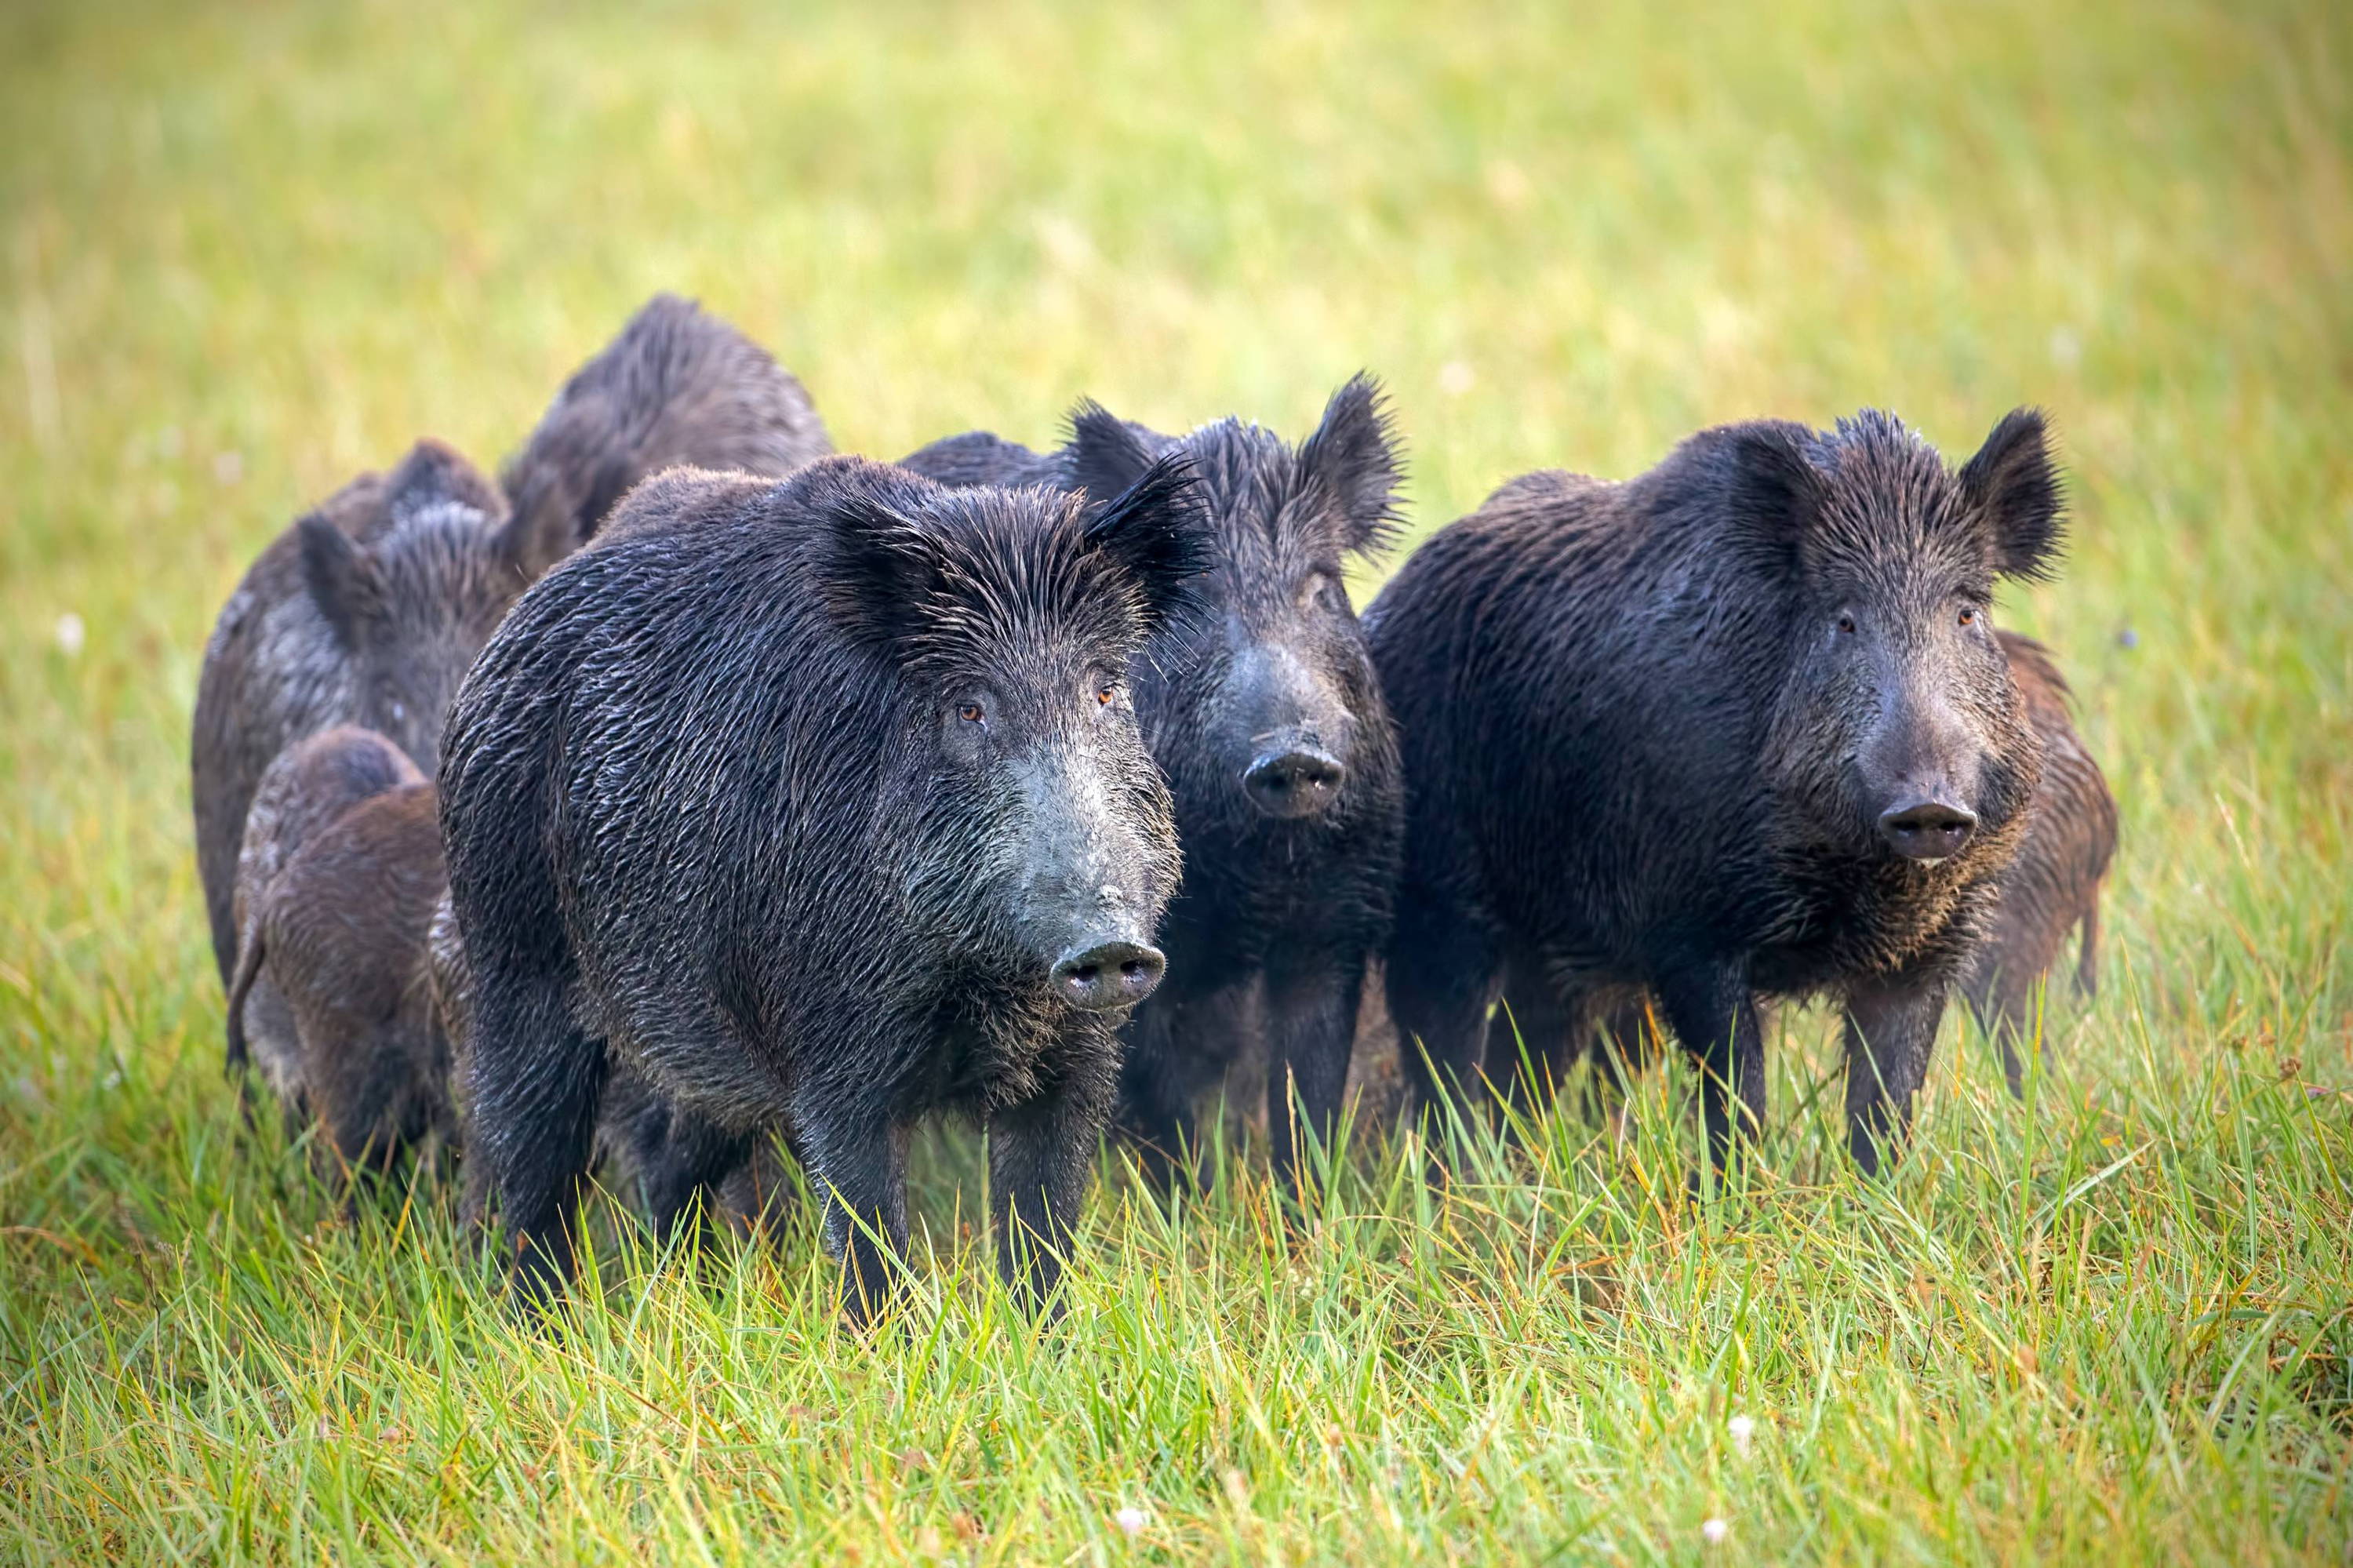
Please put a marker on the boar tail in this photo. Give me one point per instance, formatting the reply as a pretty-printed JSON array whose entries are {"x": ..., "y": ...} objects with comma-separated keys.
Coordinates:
[
  {"x": 2087, "y": 957},
  {"x": 249, "y": 970}
]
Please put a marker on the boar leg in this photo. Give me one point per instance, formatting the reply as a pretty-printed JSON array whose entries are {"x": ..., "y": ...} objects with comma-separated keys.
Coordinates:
[
  {"x": 1039, "y": 1153},
  {"x": 1442, "y": 972},
  {"x": 1531, "y": 1038},
  {"x": 1160, "y": 1077},
  {"x": 537, "y": 1084},
  {"x": 861, "y": 1168},
  {"x": 1310, "y": 1029},
  {"x": 1891, "y": 1028},
  {"x": 1715, "y": 1016},
  {"x": 682, "y": 1158}
]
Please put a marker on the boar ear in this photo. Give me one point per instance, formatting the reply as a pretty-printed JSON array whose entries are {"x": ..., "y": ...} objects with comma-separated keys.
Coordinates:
[
  {"x": 1155, "y": 532},
  {"x": 1352, "y": 456},
  {"x": 1105, "y": 454},
  {"x": 877, "y": 571},
  {"x": 342, "y": 579},
  {"x": 1775, "y": 490},
  {"x": 2014, "y": 487},
  {"x": 434, "y": 473}
]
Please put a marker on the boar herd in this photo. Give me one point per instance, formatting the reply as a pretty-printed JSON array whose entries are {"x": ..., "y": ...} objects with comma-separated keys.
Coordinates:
[{"x": 693, "y": 789}]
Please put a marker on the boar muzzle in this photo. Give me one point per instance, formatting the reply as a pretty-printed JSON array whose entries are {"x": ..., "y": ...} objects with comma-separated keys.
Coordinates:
[
  {"x": 1926, "y": 828},
  {"x": 1297, "y": 780},
  {"x": 1109, "y": 975}
]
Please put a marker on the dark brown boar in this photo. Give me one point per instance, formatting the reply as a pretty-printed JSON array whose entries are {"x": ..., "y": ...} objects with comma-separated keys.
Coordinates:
[{"x": 1736, "y": 728}]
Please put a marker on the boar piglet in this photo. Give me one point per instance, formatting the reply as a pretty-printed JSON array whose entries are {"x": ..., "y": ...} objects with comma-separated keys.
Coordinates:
[
  {"x": 1738, "y": 728},
  {"x": 820, "y": 805},
  {"x": 336, "y": 884},
  {"x": 1265, "y": 716}
]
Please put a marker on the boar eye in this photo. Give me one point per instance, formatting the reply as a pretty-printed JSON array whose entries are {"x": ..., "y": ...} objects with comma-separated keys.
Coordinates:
[
  {"x": 1970, "y": 616},
  {"x": 1316, "y": 589},
  {"x": 971, "y": 713},
  {"x": 1104, "y": 692},
  {"x": 1846, "y": 623}
]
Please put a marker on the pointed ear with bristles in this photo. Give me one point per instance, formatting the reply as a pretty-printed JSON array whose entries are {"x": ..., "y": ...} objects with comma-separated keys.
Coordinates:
[
  {"x": 1354, "y": 457},
  {"x": 2014, "y": 487},
  {"x": 1776, "y": 492},
  {"x": 1105, "y": 455},
  {"x": 341, "y": 580},
  {"x": 1154, "y": 530},
  {"x": 878, "y": 571},
  {"x": 434, "y": 473}
]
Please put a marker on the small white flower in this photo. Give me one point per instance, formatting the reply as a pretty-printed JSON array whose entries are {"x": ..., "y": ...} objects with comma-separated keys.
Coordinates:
[
  {"x": 1714, "y": 1531},
  {"x": 1743, "y": 1430},
  {"x": 1455, "y": 378},
  {"x": 71, "y": 634},
  {"x": 1130, "y": 1521}
]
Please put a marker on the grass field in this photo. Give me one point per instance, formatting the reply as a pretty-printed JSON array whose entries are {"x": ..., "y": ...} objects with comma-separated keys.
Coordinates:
[{"x": 251, "y": 249}]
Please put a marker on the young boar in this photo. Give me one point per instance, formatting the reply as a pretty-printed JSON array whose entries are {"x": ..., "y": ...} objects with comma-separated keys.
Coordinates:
[
  {"x": 340, "y": 931},
  {"x": 370, "y": 609},
  {"x": 1266, "y": 719},
  {"x": 818, "y": 804},
  {"x": 2053, "y": 886},
  {"x": 1738, "y": 728}
]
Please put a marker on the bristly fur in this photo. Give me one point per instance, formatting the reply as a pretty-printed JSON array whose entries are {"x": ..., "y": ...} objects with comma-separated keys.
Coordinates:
[
  {"x": 677, "y": 388},
  {"x": 971, "y": 579},
  {"x": 1287, "y": 907},
  {"x": 1653, "y": 728},
  {"x": 790, "y": 810}
]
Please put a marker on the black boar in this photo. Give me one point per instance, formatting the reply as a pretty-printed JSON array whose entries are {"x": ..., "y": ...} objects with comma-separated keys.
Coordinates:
[
  {"x": 340, "y": 931},
  {"x": 1737, "y": 727},
  {"x": 1266, "y": 719},
  {"x": 2053, "y": 885},
  {"x": 822, "y": 805},
  {"x": 370, "y": 609}
]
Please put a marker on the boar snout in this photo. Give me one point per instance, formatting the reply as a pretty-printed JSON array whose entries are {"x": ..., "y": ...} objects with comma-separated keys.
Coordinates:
[
  {"x": 1103, "y": 976},
  {"x": 1294, "y": 776},
  {"x": 1926, "y": 827}
]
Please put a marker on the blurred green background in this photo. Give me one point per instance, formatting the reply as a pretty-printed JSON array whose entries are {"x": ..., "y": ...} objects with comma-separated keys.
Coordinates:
[{"x": 251, "y": 249}]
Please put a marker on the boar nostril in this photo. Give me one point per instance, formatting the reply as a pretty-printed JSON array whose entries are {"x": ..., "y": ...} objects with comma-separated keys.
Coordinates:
[
  {"x": 1296, "y": 783},
  {"x": 1926, "y": 829},
  {"x": 1109, "y": 975}
]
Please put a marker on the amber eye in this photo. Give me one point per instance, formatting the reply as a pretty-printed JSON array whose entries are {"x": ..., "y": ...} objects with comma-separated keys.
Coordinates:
[
  {"x": 1969, "y": 617},
  {"x": 970, "y": 713},
  {"x": 1103, "y": 695}
]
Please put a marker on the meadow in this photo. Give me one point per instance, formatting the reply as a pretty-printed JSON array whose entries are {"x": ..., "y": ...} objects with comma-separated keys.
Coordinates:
[{"x": 250, "y": 250}]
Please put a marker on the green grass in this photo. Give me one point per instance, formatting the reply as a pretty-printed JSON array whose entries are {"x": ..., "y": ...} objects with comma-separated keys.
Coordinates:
[{"x": 249, "y": 250}]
